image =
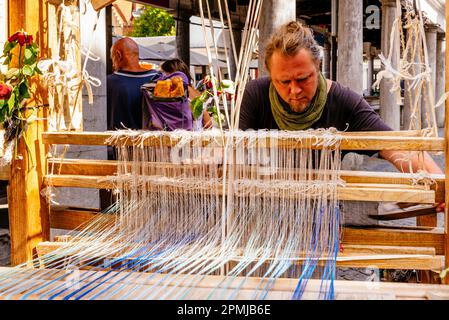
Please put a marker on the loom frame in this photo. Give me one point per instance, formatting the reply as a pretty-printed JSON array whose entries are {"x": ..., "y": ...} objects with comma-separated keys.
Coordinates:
[{"x": 31, "y": 218}]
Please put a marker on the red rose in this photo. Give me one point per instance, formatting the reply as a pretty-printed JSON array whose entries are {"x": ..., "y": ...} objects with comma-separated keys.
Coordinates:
[
  {"x": 208, "y": 82},
  {"x": 14, "y": 37},
  {"x": 5, "y": 91},
  {"x": 22, "y": 37},
  {"x": 29, "y": 40}
]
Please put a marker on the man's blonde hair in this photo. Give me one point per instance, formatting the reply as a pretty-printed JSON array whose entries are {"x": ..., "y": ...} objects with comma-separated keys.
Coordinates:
[{"x": 289, "y": 39}]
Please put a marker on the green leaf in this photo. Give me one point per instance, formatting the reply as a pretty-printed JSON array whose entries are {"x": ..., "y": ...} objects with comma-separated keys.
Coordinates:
[
  {"x": 28, "y": 53},
  {"x": 11, "y": 102},
  {"x": 29, "y": 57},
  {"x": 23, "y": 90},
  {"x": 28, "y": 70},
  {"x": 197, "y": 107},
  {"x": 9, "y": 46}
]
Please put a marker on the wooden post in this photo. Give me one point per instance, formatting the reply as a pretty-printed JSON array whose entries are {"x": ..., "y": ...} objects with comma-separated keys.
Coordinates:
[
  {"x": 28, "y": 214},
  {"x": 446, "y": 138}
]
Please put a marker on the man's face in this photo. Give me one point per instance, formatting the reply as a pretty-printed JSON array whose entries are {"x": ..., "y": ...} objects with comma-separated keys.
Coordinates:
[{"x": 295, "y": 78}]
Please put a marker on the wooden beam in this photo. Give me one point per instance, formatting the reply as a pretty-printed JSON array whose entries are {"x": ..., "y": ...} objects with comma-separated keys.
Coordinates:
[
  {"x": 281, "y": 289},
  {"x": 446, "y": 148},
  {"x": 356, "y": 193},
  {"x": 73, "y": 219},
  {"x": 358, "y": 142},
  {"x": 404, "y": 263},
  {"x": 100, "y": 4},
  {"x": 394, "y": 237},
  {"x": 357, "y": 256},
  {"x": 109, "y": 168},
  {"x": 28, "y": 215}
]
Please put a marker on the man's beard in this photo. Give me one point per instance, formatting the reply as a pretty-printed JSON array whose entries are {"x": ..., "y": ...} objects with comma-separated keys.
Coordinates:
[{"x": 299, "y": 106}]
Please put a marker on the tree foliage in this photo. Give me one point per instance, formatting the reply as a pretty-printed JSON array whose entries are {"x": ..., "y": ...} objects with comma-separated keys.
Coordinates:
[{"x": 153, "y": 22}]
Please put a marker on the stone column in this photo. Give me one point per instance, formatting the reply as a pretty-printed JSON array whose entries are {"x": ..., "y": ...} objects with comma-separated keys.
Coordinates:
[
  {"x": 389, "y": 109},
  {"x": 183, "y": 38},
  {"x": 326, "y": 63},
  {"x": 427, "y": 99},
  {"x": 274, "y": 14},
  {"x": 440, "y": 79},
  {"x": 350, "y": 44}
]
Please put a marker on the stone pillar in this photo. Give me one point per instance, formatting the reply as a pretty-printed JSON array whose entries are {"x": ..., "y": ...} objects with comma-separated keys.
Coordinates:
[
  {"x": 350, "y": 44},
  {"x": 389, "y": 109},
  {"x": 427, "y": 99},
  {"x": 440, "y": 79},
  {"x": 183, "y": 38},
  {"x": 326, "y": 63},
  {"x": 274, "y": 14}
]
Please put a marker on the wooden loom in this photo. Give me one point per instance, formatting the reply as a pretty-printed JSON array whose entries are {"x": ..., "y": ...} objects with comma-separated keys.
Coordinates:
[{"x": 421, "y": 248}]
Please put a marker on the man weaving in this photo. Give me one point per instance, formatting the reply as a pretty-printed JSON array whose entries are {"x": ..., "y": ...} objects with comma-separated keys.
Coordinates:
[{"x": 296, "y": 96}]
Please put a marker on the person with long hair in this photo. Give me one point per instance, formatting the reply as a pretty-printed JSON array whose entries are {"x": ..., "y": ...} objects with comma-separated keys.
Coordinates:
[{"x": 173, "y": 65}]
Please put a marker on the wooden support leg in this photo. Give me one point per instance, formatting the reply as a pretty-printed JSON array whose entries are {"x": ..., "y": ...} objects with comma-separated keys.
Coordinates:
[
  {"x": 446, "y": 138},
  {"x": 28, "y": 215}
]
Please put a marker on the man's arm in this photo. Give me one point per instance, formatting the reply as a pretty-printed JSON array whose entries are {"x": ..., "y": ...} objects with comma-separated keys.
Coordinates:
[{"x": 413, "y": 162}]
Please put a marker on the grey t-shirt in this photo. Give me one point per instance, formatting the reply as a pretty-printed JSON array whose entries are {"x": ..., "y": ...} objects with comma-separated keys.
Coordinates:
[{"x": 345, "y": 110}]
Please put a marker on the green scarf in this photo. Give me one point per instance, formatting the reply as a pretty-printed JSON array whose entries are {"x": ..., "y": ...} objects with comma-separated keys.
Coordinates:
[{"x": 289, "y": 120}]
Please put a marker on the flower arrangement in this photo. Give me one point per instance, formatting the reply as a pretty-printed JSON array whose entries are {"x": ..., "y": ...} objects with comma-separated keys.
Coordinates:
[
  {"x": 15, "y": 86},
  {"x": 205, "y": 100}
]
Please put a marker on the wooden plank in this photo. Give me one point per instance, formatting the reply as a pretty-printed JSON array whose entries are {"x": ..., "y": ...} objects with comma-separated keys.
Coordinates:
[
  {"x": 100, "y": 4},
  {"x": 354, "y": 249},
  {"x": 406, "y": 263},
  {"x": 446, "y": 149},
  {"x": 70, "y": 219},
  {"x": 344, "y": 193},
  {"x": 392, "y": 237},
  {"x": 109, "y": 168},
  {"x": 28, "y": 216},
  {"x": 358, "y": 142},
  {"x": 383, "y": 257},
  {"x": 384, "y": 194},
  {"x": 395, "y": 178},
  {"x": 280, "y": 289}
]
